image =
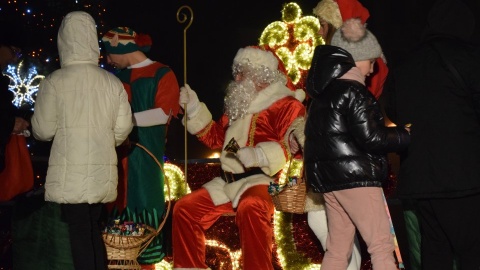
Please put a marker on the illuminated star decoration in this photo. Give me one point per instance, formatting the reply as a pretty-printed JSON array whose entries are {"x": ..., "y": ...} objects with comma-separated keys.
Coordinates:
[
  {"x": 293, "y": 39},
  {"x": 24, "y": 88}
]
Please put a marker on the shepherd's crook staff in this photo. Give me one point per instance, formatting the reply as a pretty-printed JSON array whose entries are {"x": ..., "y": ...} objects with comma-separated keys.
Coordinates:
[{"x": 182, "y": 18}]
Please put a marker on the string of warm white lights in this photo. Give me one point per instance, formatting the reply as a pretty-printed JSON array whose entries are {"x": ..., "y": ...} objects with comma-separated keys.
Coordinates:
[
  {"x": 175, "y": 177},
  {"x": 288, "y": 256},
  {"x": 46, "y": 16},
  {"x": 293, "y": 39}
]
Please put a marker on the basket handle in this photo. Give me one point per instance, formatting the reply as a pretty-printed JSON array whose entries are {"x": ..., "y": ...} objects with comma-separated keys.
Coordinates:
[{"x": 169, "y": 204}]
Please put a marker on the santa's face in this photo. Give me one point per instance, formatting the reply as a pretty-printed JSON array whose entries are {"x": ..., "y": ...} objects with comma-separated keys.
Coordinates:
[{"x": 240, "y": 76}]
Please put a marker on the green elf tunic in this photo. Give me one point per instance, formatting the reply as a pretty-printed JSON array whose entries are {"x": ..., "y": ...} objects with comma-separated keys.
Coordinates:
[{"x": 149, "y": 87}]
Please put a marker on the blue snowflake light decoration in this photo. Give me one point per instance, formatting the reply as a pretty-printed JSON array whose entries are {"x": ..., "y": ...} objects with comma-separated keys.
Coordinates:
[{"x": 24, "y": 88}]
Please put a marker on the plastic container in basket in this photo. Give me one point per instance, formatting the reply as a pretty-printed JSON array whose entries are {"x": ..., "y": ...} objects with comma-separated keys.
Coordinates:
[{"x": 291, "y": 199}]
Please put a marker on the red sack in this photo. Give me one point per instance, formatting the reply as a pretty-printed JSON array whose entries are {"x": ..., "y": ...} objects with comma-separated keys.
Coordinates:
[{"x": 17, "y": 177}]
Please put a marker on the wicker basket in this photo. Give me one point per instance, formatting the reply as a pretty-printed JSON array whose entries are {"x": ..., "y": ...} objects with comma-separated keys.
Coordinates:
[
  {"x": 291, "y": 199},
  {"x": 122, "y": 250}
]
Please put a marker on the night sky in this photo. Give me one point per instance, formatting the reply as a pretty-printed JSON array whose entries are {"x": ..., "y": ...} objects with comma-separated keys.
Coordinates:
[{"x": 220, "y": 28}]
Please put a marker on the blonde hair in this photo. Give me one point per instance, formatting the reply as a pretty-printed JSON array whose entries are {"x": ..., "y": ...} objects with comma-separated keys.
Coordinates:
[{"x": 329, "y": 11}]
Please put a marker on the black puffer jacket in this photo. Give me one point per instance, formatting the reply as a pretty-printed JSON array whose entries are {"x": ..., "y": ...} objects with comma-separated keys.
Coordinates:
[{"x": 346, "y": 140}]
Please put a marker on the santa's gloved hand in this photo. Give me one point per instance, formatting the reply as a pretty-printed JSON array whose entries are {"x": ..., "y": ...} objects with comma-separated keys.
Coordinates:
[
  {"x": 252, "y": 157},
  {"x": 189, "y": 97}
]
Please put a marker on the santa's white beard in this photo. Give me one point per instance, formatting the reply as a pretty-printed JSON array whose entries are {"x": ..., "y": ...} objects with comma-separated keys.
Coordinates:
[{"x": 238, "y": 97}]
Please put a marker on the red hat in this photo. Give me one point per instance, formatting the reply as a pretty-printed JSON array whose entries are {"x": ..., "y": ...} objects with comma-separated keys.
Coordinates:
[
  {"x": 336, "y": 12},
  {"x": 352, "y": 9}
]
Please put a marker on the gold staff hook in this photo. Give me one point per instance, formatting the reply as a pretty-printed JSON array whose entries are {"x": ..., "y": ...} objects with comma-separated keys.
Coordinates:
[{"x": 182, "y": 18}]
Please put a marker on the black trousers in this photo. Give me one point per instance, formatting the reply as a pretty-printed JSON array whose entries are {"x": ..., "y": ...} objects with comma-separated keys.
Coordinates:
[
  {"x": 88, "y": 248},
  {"x": 450, "y": 231}
]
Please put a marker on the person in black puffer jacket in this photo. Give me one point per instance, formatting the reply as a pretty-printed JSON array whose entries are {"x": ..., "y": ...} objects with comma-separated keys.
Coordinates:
[{"x": 345, "y": 148}]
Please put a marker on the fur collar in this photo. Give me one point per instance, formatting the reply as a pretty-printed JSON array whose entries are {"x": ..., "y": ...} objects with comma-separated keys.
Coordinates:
[{"x": 268, "y": 96}]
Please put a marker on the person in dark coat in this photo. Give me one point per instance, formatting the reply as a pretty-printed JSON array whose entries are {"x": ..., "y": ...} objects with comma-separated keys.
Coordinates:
[
  {"x": 437, "y": 90},
  {"x": 10, "y": 120},
  {"x": 346, "y": 143}
]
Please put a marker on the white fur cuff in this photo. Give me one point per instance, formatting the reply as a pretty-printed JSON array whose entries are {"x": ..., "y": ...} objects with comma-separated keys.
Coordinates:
[
  {"x": 215, "y": 189},
  {"x": 199, "y": 121}
]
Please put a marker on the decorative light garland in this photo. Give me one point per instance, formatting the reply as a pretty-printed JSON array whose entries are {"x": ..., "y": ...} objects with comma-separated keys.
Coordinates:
[
  {"x": 234, "y": 255},
  {"x": 47, "y": 18},
  {"x": 294, "y": 40},
  {"x": 175, "y": 178},
  {"x": 288, "y": 256},
  {"x": 24, "y": 88}
]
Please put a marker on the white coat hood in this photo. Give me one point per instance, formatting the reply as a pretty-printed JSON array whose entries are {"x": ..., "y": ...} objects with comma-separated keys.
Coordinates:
[{"x": 77, "y": 39}]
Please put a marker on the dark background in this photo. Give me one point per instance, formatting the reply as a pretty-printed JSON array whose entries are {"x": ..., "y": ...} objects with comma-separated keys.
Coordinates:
[{"x": 220, "y": 28}]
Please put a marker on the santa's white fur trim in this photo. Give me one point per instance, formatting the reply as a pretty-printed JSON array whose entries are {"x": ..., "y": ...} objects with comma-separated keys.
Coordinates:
[
  {"x": 275, "y": 156},
  {"x": 246, "y": 183},
  {"x": 215, "y": 189},
  {"x": 300, "y": 95},
  {"x": 314, "y": 202},
  {"x": 256, "y": 57},
  {"x": 268, "y": 96}
]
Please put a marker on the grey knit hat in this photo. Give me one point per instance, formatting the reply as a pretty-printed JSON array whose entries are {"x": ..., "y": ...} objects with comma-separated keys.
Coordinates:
[{"x": 356, "y": 39}]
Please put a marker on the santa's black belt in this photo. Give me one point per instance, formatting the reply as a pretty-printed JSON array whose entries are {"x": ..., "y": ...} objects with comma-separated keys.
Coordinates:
[{"x": 232, "y": 177}]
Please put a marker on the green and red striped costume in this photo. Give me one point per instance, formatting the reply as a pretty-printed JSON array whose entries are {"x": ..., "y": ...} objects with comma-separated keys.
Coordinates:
[{"x": 149, "y": 87}]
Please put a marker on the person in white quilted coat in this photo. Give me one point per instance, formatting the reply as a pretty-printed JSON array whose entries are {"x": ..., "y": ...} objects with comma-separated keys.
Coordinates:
[{"x": 84, "y": 109}]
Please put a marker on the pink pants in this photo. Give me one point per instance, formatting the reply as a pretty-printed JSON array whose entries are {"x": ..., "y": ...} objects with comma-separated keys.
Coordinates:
[
  {"x": 364, "y": 209},
  {"x": 195, "y": 212}
]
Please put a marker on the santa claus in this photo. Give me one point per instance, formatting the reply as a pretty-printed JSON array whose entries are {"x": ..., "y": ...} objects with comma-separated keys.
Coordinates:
[{"x": 259, "y": 110}]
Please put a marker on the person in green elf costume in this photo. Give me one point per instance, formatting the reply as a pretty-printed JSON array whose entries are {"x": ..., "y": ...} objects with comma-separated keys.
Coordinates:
[{"x": 153, "y": 93}]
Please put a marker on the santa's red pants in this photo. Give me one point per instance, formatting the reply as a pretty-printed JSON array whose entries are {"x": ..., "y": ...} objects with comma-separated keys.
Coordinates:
[{"x": 195, "y": 212}]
